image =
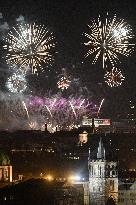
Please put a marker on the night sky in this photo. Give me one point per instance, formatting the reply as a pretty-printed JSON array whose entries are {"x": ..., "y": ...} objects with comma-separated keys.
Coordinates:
[{"x": 68, "y": 20}]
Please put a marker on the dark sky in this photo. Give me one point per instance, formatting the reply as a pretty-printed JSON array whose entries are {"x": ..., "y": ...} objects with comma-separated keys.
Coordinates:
[{"x": 68, "y": 20}]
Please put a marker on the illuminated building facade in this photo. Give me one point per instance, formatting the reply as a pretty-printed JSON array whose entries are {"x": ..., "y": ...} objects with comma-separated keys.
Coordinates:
[
  {"x": 6, "y": 173},
  {"x": 127, "y": 193},
  {"x": 103, "y": 178},
  {"x": 5, "y": 168},
  {"x": 83, "y": 138}
]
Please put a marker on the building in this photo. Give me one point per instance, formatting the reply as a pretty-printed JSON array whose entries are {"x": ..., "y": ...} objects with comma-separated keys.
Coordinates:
[
  {"x": 126, "y": 125},
  {"x": 86, "y": 193},
  {"x": 97, "y": 125},
  {"x": 123, "y": 126},
  {"x": 103, "y": 178},
  {"x": 131, "y": 115},
  {"x": 127, "y": 194},
  {"x": 5, "y": 168}
]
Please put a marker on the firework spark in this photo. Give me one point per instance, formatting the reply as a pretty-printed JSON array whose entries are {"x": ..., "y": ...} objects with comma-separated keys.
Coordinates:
[
  {"x": 16, "y": 83},
  {"x": 109, "y": 39},
  {"x": 33, "y": 125},
  {"x": 114, "y": 78},
  {"x": 29, "y": 45},
  {"x": 61, "y": 111},
  {"x": 63, "y": 83},
  {"x": 55, "y": 111}
]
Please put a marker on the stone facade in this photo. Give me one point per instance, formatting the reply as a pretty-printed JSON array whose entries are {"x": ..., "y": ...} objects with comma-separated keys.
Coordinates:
[
  {"x": 127, "y": 194},
  {"x": 5, "y": 168},
  {"x": 103, "y": 178},
  {"x": 6, "y": 173}
]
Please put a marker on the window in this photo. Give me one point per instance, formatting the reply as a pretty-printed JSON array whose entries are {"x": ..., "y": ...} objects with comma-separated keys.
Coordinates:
[
  {"x": 113, "y": 172},
  {"x": 92, "y": 170},
  {"x": 100, "y": 171},
  {"x": 112, "y": 185},
  {"x": 5, "y": 173}
]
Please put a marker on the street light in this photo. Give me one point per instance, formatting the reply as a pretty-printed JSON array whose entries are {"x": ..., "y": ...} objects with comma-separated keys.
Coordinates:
[
  {"x": 74, "y": 178},
  {"x": 49, "y": 178}
]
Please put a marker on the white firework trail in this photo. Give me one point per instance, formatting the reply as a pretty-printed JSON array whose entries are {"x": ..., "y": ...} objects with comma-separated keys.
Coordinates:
[
  {"x": 81, "y": 104},
  {"x": 24, "y": 104},
  {"x": 53, "y": 103},
  {"x": 100, "y": 106},
  {"x": 48, "y": 110},
  {"x": 73, "y": 109}
]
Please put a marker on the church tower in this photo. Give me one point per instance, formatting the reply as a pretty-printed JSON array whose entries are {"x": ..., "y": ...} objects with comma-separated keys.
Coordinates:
[{"x": 103, "y": 178}]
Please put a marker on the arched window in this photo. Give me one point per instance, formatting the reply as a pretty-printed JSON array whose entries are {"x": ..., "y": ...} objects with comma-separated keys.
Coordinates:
[{"x": 113, "y": 172}]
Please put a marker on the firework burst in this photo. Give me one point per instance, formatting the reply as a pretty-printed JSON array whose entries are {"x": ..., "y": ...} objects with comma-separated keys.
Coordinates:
[
  {"x": 62, "y": 111},
  {"x": 114, "y": 78},
  {"x": 29, "y": 45},
  {"x": 16, "y": 83},
  {"x": 109, "y": 39},
  {"x": 63, "y": 83}
]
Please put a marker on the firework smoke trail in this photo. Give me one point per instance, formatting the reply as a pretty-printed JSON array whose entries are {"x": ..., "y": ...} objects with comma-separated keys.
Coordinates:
[
  {"x": 109, "y": 39},
  {"x": 100, "y": 107},
  {"x": 24, "y": 104},
  {"x": 29, "y": 45}
]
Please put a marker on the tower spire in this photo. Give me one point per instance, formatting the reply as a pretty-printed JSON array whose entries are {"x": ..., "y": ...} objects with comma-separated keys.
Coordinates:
[{"x": 101, "y": 150}]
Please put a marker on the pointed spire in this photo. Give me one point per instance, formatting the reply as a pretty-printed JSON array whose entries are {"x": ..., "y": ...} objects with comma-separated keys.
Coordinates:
[{"x": 101, "y": 150}]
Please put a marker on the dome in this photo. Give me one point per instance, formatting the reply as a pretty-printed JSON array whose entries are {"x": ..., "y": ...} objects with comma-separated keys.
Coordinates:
[{"x": 4, "y": 159}]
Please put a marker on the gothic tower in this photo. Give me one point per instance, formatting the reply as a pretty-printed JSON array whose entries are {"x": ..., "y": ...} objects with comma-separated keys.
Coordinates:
[{"x": 103, "y": 178}]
